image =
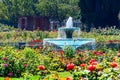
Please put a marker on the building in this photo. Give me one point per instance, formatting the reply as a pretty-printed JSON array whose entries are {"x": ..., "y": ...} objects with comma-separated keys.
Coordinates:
[{"x": 34, "y": 23}]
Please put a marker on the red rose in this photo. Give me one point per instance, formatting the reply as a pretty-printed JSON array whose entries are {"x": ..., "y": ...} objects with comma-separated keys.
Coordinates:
[
  {"x": 118, "y": 54},
  {"x": 118, "y": 51},
  {"x": 94, "y": 63},
  {"x": 91, "y": 67},
  {"x": 82, "y": 65},
  {"x": 68, "y": 78},
  {"x": 113, "y": 64},
  {"x": 100, "y": 52},
  {"x": 95, "y": 52},
  {"x": 70, "y": 66},
  {"x": 41, "y": 67},
  {"x": 92, "y": 60}
]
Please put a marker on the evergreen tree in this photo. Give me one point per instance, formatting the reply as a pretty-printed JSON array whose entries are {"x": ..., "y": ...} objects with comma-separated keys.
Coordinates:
[{"x": 99, "y": 12}]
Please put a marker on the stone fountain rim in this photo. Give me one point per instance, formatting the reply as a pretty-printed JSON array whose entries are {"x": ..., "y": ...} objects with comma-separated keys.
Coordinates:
[
  {"x": 68, "y": 39},
  {"x": 75, "y": 28}
]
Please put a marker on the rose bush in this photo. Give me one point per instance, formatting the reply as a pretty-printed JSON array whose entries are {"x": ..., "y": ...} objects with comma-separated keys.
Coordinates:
[
  {"x": 88, "y": 64},
  {"x": 16, "y": 62}
]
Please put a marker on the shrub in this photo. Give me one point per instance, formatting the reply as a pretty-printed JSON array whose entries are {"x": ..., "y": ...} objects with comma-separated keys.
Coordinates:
[{"x": 15, "y": 62}]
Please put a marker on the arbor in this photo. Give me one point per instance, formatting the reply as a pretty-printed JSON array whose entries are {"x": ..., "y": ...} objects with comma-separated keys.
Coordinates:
[{"x": 58, "y": 9}]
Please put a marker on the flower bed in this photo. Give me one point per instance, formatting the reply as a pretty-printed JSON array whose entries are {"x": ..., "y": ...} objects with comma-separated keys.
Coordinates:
[
  {"x": 100, "y": 64},
  {"x": 14, "y": 62},
  {"x": 88, "y": 64}
]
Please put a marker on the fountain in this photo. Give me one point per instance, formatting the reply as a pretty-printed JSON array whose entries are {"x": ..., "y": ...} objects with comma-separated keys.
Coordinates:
[{"x": 65, "y": 37}]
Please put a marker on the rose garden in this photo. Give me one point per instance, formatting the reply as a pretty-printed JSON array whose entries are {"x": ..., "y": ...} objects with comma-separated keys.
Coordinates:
[
  {"x": 37, "y": 62},
  {"x": 38, "y": 42}
]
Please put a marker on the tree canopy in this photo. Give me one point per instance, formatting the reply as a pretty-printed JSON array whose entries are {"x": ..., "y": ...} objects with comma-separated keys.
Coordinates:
[
  {"x": 100, "y": 12},
  {"x": 58, "y": 9},
  {"x": 96, "y": 12},
  {"x": 16, "y": 8},
  {"x": 54, "y": 9}
]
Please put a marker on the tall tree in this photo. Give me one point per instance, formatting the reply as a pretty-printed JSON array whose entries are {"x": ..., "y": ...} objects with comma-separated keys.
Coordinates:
[
  {"x": 16, "y": 8},
  {"x": 99, "y": 12},
  {"x": 3, "y": 10},
  {"x": 58, "y": 9}
]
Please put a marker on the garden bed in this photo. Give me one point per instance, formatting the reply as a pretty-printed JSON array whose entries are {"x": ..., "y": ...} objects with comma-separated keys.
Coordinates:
[
  {"x": 32, "y": 60},
  {"x": 47, "y": 63}
]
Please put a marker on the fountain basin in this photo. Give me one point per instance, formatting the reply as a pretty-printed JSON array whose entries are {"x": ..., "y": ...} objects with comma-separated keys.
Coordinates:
[
  {"x": 65, "y": 38},
  {"x": 66, "y": 28},
  {"x": 67, "y": 32},
  {"x": 75, "y": 42}
]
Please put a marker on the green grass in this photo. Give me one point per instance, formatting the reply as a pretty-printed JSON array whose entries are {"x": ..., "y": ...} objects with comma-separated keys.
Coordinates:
[{"x": 61, "y": 74}]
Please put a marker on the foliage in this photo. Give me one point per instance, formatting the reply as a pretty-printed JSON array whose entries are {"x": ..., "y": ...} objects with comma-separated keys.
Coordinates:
[
  {"x": 16, "y": 8},
  {"x": 69, "y": 51},
  {"x": 102, "y": 35},
  {"x": 99, "y": 12},
  {"x": 58, "y": 9},
  {"x": 22, "y": 36},
  {"x": 15, "y": 63},
  {"x": 88, "y": 64},
  {"x": 3, "y": 11},
  {"x": 5, "y": 28},
  {"x": 107, "y": 31},
  {"x": 107, "y": 37},
  {"x": 79, "y": 63}
]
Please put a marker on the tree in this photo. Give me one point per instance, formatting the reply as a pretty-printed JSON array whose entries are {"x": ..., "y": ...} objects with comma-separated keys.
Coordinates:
[
  {"x": 58, "y": 9},
  {"x": 54, "y": 9},
  {"x": 3, "y": 10},
  {"x": 16, "y": 8},
  {"x": 99, "y": 12}
]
